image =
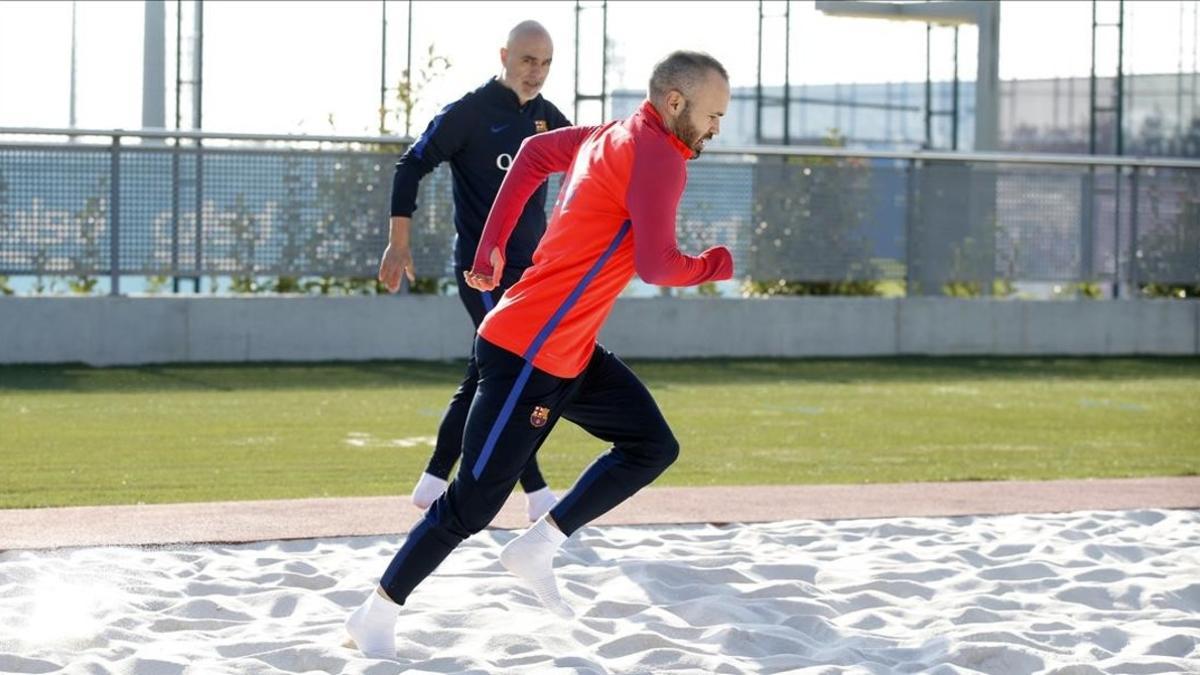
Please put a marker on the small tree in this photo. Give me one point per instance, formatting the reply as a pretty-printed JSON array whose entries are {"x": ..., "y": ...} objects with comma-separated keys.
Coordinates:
[
  {"x": 88, "y": 222},
  {"x": 157, "y": 283},
  {"x": 242, "y": 225},
  {"x": 410, "y": 89}
]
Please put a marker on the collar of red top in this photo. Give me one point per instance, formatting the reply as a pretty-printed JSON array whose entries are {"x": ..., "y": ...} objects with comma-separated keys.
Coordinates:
[{"x": 648, "y": 111}]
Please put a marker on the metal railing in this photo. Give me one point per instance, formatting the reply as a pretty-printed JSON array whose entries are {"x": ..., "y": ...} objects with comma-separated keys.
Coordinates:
[{"x": 114, "y": 203}]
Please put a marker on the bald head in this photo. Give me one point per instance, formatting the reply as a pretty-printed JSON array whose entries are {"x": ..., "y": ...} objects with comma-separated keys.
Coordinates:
[
  {"x": 527, "y": 29},
  {"x": 525, "y": 59}
]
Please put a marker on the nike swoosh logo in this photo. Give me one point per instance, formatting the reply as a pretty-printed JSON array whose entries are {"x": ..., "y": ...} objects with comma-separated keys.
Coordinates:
[{"x": 498, "y": 128}]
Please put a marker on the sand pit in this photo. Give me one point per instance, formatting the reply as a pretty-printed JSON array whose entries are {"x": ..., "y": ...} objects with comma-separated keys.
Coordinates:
[{"x": 1082, "y": 592}]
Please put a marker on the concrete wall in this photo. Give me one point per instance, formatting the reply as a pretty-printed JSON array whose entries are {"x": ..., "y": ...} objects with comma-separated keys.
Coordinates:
[{"x": 111, "y": 331}]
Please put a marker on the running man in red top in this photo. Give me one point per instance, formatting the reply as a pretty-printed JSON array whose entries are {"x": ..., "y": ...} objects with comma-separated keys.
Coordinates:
[{"x": 537, "y": 352}]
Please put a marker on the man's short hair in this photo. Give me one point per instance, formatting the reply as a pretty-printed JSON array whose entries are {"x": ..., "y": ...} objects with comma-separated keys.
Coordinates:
[{"x": 682, "y": 71}]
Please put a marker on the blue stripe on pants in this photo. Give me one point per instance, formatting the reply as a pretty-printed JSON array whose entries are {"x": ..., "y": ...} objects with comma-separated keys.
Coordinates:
[{"x": 501, "y": 420}]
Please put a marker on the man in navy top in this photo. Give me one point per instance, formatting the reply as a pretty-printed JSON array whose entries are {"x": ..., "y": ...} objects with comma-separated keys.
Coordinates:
[{"x": 479, "y": 134}]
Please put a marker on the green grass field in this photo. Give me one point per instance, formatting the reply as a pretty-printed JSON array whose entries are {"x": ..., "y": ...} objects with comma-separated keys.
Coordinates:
[{"x": 72, "y": 435}]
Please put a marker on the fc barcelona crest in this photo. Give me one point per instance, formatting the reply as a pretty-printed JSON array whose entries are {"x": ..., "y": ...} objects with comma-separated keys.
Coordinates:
[
  {"x": 540, "y": 126},
  {"x": 540, "y": 416}
]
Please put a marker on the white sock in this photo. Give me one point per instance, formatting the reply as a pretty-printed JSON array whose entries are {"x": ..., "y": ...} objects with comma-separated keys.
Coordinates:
[
  {"x": 538, "y": 503},
  {"x": 531, "y": 556},
  {"x": 427, "y": 490},
  {"x": 373, "y": 626}
]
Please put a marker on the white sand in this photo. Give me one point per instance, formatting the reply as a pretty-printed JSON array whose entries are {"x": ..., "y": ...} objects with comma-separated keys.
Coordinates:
[{"x": 1080, "y": 593}]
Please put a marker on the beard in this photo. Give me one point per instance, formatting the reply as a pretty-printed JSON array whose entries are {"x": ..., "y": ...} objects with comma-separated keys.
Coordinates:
[{"x": 687, "y": 132}]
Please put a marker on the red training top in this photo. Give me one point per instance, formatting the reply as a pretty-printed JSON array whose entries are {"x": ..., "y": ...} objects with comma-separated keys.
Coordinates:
[{"x": 614, "y": 216}]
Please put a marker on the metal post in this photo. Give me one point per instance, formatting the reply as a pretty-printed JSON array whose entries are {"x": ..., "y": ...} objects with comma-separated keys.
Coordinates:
[
  {"x": 603, "y": 60},
  {"x": 910, "y": 179},
  {"x": 1120, "y": 77},
  {"x": 787, "y": 77},
  {"x": 578, "y": 10},
  {"x": 954, "y": 93},
  {"x": 154, "y": 78},
  {"x": 837, "y": 106},
  {"x": 198, "y": 68},
  {"x": 114, "y": 217},
  {"x": 383, "y": 71},
  {"x": 1092, "y": 90},
  {"x": 199, "y": 219},
  {"x": 197, "y": 110},
  {"x": 71, "y": 115},
  {"x": 1087, "y": 225},
  {"x": 408, "y": 66},
  {"x": 1012, "y": 104},
  {"x": 928, "y": 89},
  {"x": 1117, "y": 232},
  {"x": 1120, "y": 109},
  {"x": 175, "y": 150},
  {"x": 175, "y": 216},
  {"x": 178, "y": 63},
  {"x": 888, "y": 111},
  {"x": 1179, "y": 81},
  {"x": 1090, "y": 179},
  {"x": 1134, "y": 257},
  {"x": 1070, "y": 99},
  {"x": 852, "y": 104},
  {"x": 1055, "y": 95},
  {"x": 803, "y": 121},
  {"x": 758, "y": 87},
  {"x": 987, "y": 80}
]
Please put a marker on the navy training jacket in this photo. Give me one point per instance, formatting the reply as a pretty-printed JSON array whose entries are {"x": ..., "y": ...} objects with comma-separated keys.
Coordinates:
[{"x": 479, "y": 134}]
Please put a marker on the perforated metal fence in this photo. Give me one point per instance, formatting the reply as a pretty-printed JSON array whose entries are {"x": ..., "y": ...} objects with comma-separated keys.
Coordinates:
[{"x": 110, "y": 204}]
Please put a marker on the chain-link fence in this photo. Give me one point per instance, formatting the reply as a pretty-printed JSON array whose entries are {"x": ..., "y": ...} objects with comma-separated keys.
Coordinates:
[{"x": 129, "y": 204}]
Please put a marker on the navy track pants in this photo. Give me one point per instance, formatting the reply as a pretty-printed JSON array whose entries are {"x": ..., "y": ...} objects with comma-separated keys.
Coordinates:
[{"x": 514, "y": 409}]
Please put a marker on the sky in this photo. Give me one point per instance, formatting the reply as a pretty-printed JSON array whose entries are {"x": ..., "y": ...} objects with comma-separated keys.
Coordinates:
[{"x": 314, "y": 67}]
